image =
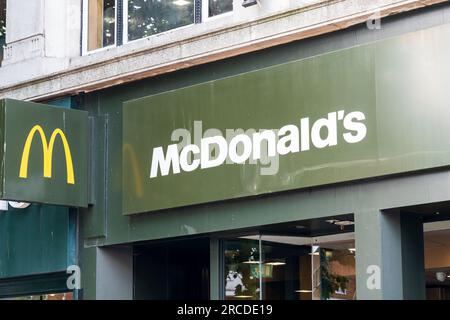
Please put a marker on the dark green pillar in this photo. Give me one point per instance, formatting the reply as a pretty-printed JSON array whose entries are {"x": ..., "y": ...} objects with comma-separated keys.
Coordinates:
[
  {"x": 389, "y": 256},
  {"x": 214, "y": 269}
]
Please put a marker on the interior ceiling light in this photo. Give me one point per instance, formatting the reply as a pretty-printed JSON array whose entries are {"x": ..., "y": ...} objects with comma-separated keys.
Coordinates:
[
  {"x": 248, "y": 3},
  {"x": 344, "y": 223},
  {"x": 340, "y": 223},
  {"x": 181, "y": 2},
  {"x": 303, "y": 291},
  {"x": 276, "y": 263}
]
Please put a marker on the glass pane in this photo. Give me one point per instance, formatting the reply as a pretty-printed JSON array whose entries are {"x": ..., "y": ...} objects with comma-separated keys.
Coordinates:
[
  {"x": 437, "y": 260},
  {"x": 220, "y": 6},
  {"x": 109, "y": 22},
  {"x": 286, "y": 270},
  {"x": 2, "y": 18},
  {"x": 148, "y": 17},
  {"x": 2, "y": 26},
  {"x": 242, "y": 264},
  {"x": 334, "y": 275},
  {"x": 101, "y": 23}
]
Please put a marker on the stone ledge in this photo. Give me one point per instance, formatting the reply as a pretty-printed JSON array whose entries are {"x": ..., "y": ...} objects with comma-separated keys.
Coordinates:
[{"x": 211, "y": 46}]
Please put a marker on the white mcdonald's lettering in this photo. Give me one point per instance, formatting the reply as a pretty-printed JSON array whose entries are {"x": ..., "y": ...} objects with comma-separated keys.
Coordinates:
[{"x": 242, "y": 147}]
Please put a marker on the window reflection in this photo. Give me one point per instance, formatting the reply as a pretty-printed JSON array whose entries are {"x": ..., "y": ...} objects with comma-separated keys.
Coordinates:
[
  {"x": 242, "y": 270},
  {"x": 2, "y": 27},
  {"x": 101, "y": 23},
  {"x": 2, "y": 18},
  {"x": 149, "y": 17},
  {"x": 217, "y": 7},
  {"x": 334, "y": 276}
]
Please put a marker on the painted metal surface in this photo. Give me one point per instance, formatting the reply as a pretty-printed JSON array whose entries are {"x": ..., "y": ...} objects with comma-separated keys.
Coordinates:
[
  {"x": 38, "y": 240},
  {"x": 33, "y": 240},
  {"x": 45, "y": 157},
  {"x": 399, "y": 84},
  {"x": 107, "y": 225},
  {"x": 33, "y": 285}
]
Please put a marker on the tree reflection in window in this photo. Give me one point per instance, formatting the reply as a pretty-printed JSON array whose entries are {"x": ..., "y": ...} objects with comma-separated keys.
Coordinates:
[
  {"x": 149, "y": 17},
  {"x": 2, "y": 27},
  {"x": 2, "y": 18},
  {"x": 101, "y": 23},
  {"x": 217, "y": 7},
  {"x": 109, "y": 22}
]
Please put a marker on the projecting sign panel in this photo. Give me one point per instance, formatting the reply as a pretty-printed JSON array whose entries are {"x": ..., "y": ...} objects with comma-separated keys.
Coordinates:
[{"x": 44, "y": 155}]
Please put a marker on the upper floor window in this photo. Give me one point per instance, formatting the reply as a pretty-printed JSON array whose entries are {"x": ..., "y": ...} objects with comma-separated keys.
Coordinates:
[
  {"x": 111, "y": 22},
  {"x": 100, "y": 23},
  {"x": 2, "y": 27},
  {"x": 149, "y": 17},
  {"x": 217, "y": 7}
]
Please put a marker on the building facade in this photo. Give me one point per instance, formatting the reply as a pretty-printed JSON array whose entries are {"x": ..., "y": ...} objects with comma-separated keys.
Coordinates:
[{"x": 240, "y": 150}]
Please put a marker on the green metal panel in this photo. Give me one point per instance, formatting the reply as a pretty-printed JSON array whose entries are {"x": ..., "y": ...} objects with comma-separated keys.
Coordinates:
[
  {"x": 89, "y": 273},
  {"x": 33, "y": 240},
  {"x": 36, "y": 246},
  {"x": 95, "y": 216},
  {"x": 242, "y": 213},
  {"x": 33, "y": 184},
  {"x": 2, "y": 150},
  {"x": 392, "y": 242},
  {"x": 33, "y": 285},
  {"x": 399, "y": 84}
]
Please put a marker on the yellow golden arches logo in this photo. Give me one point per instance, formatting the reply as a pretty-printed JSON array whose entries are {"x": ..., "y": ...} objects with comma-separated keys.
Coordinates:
[{"x": 47, "y": 150}]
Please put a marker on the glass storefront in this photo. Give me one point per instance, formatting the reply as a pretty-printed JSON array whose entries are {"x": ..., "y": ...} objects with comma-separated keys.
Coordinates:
[
  {"x": 286, "y": 264},
  {"x": 304, "y": 260}
]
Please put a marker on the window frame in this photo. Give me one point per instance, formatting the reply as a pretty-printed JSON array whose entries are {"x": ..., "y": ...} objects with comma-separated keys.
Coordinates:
[
  {"x": 122, "y": 26},
  {"x": 85, "y": 27}
]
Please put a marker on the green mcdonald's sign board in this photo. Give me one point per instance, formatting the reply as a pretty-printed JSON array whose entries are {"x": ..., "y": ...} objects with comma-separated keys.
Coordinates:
[
  {"x": 362, "y": 112},
  {"x": 44, "y": 158}
]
